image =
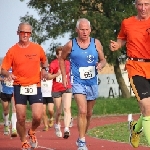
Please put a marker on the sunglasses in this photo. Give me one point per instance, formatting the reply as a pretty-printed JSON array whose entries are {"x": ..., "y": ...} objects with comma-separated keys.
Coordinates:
[{"x": 24, "y": 32}]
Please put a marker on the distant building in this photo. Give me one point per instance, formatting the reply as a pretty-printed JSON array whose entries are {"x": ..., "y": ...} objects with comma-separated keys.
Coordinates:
[{"x": 108, "y": 86}]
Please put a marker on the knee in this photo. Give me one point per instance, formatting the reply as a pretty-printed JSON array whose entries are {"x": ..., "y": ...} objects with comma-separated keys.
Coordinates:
[
  {"x": 58, "y": 113},
  {"x": 89, "y": 114},
  {"x": 67, "y": 110},
  {"x": 44, "y": 113},
  {"x": 83, "y": 112},
  {"x": 21, "y": 120}
]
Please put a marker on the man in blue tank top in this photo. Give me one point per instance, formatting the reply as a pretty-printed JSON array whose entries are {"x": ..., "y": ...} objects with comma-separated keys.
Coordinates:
[
  {"x": 86, "y": 57},
  {"x": 7, "y": 91}
]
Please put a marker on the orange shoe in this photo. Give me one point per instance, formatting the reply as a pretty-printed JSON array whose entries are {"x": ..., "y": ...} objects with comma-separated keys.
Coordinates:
[
  {"x": 33, "y": 139},
  {"x": 26, "y": 146}
]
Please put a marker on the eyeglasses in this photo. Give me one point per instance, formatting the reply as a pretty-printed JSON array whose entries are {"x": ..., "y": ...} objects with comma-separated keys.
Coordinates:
[{"x": 24, "y": 32}]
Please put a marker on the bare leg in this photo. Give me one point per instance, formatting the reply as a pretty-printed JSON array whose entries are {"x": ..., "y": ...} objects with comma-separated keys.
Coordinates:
[
  {"x": 21, "y": 116},
  {"x": 90, "y": 105},
  {"x": 82, "y": 113},
  {"x": 58, "y": 105},
  {"x": 37, "y": 111},
  {"x": 66, "y": 99},
  {"x": 45, "y": 118},
  {"x": 51, "y": 109}
]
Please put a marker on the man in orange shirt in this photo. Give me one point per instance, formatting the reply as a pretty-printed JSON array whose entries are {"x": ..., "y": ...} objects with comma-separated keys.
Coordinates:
[
  {"x": 135, "y": 34},
  {"x": 25, "y": 58}
]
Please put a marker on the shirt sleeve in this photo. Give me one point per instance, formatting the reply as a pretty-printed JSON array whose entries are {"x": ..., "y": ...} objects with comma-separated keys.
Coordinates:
[
  {"x": 43, "y": 55},
  {"x": 51, "y": 68},
  {"x": 8, "y": 60},
  {"x": 122, "y": 33}
]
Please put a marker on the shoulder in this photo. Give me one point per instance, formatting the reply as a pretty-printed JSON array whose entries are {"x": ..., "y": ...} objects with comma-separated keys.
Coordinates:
[
  {"x": 68, "y": 44},
  {"x": 54, "y": 61},
  {"x": 129, "y": 20},
  {"x": 97, "y": 42},
  {"x": 12, "y": 49},
  {"x": 36, "y": 45},
  {"x": 98, "y": 45}
]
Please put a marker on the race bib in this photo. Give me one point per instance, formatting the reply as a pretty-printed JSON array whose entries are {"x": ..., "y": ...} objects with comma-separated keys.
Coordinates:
[
  {"x": 9, "y": 83},
  {"x": 28, "y": 90},
  {"x": 59, "y": 79},
  {"x": 46, "y": 88},
  {"x": 87, "y": 72}
]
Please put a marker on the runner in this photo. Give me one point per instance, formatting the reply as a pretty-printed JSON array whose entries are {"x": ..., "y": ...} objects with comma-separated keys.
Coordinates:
[
  {"x": 46, "y": 88},
  {"x": 25, "y": 58},
  {"x": 135, "y": 35},
  {"x": 86, "y": 57},
  {"x": 7, "y": 90},
  {"x": 62, "y": 95}
]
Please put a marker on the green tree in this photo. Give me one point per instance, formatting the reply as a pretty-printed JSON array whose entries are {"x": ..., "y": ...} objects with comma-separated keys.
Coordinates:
[{"x": 58, "y": 17}]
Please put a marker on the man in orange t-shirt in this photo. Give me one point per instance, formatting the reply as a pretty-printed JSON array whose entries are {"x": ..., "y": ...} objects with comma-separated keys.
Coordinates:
[
  {"x": 25, "y": 58},
  {"x": 135, "y": 34}
]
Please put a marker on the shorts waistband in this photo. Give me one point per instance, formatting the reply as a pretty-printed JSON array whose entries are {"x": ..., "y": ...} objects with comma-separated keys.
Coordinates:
[{"x": 138, "y": 59}]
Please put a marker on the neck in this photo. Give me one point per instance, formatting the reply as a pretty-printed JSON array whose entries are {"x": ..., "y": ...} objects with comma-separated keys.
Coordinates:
[
  {"x": 83, "y": 40},
  {"x": 142, "y": 18},
  {"x": 23, "y": 44}
]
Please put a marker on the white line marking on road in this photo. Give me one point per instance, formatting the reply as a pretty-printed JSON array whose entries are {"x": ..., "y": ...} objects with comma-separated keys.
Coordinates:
[{"x": 46, "y": 148}]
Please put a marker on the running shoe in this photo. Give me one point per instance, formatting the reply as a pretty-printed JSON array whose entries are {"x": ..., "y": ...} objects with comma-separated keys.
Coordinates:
[
  {"x": 58, "y": 130},
  {"x": 45, "y": 129},
  {"x": 26, "y": 146},
  {"x": 134, "y": 137},
  {"x": 81, "y": 145},
  {"x": 14, "y": 133},
  {"x": 66, "y": 134},
  {"x": 33, "y": 139},
  {"x": 51, "y": 122},
  {"x": 6, "y": 130}
]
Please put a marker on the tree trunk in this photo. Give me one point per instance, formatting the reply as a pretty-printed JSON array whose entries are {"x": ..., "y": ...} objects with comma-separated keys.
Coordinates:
[{"x": 123, "y": 87}]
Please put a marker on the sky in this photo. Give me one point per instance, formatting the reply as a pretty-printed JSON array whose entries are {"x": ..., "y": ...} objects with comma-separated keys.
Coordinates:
[{"x": 10, "y": 13}]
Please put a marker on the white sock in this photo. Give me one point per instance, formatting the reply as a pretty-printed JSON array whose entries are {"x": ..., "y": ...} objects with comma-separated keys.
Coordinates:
[
  {"x": 6, "y": 120},
  {"x": 13, "y": 120},
  {"x": 66, "y": 129},
  {"x": 83, "y": 139}
]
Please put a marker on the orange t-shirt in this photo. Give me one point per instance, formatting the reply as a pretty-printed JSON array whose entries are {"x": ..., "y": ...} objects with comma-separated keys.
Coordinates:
[
  {"x": 137, "y": 36},
  {"x": 25, "y": 63}
]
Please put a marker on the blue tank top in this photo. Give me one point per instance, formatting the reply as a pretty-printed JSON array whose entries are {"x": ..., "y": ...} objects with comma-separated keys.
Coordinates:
[
  {"x": 7, "y": 87},
  {"x": 83, "y": 63}
]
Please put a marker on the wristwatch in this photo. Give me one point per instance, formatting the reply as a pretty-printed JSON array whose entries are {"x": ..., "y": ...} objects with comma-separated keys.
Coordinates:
[{"x": 46, "y": 68}]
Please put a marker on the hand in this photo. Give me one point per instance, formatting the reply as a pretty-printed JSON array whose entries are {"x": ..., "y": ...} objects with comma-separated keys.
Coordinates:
[
  {"x": 64, "y": 81},
  {"x": 44, "y": 74},
  {"x": 58, "y": 73},
  {"x": 99, "y": 66},
  {"x": 10, "y": 77},
  {"x": 114, "y": 45}
]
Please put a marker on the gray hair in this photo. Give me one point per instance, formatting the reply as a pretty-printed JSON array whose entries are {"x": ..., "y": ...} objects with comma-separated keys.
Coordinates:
[
  {"x": 80, "y": 20},
  {"x": 24, "y": 23}
]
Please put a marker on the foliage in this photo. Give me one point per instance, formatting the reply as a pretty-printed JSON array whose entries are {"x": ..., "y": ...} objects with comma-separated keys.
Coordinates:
[
  {"x": 58, "y": 17},
  {"x": 118, "y": 132},
  {"x": 103, "y": 106}
]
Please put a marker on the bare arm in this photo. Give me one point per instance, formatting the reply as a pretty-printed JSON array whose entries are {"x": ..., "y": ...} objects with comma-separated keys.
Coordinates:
[
  {"x": 114, "y": 46},
  {"x": 65, "y": 52},
  {"x": 53, "y": 76},
  {"x": 44, "y": 66},
  {"x": 101, "y": 56}
]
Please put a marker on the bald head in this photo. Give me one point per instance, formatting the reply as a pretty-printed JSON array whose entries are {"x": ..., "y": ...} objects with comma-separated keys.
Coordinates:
[{"x": 82, "y": 20}]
